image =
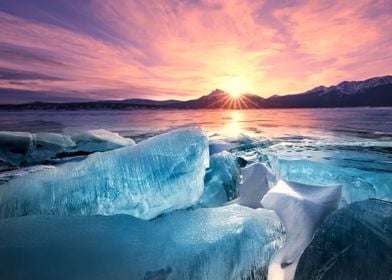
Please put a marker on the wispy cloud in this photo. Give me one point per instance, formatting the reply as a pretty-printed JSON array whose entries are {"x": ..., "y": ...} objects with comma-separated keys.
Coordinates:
[{"x": 181, "y": 49}]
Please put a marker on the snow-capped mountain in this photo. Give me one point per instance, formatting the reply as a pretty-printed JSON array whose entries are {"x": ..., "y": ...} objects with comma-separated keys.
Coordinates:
[
  {"x": 352, "y": 87},
  {"x": 371, "y": 92}
]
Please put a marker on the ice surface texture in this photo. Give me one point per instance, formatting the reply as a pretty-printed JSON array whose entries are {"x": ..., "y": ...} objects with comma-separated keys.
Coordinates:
[
  {"x": 231, "y": 242},
  {"x": 160, "y": 174},
  {"x": 302, "y": 208},
  {"x": 354, "y": 242},
  {"x": 221, "y": 180}
]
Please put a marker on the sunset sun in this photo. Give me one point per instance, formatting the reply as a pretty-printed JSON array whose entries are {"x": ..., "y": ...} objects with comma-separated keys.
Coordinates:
[
  {"x": 235, "y": 94},
  {"x": 235, "y": 86}
]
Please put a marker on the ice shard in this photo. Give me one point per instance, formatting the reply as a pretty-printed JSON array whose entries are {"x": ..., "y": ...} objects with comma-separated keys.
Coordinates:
[
  {"x": 302, "y": 208},
  {"x": 358, "y": 183},
  {"x": 99, "y": 140},
  {"x": 225, "y": 243},
  {"x": 219, "y": 143},
  {"x": 14, "y": 146},
  {"x": 24, "y": 148},
  {"x": 221, "y": 180},
  {"x": 19, "y": 148},
  {"x": 158, "y": 175},
  {"x": 256, "y": 182}
]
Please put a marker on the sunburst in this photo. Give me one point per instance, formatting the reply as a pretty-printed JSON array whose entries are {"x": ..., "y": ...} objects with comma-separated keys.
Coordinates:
[
  {"x": 235, "y": 94},
  {"x": 235, "y": 85},
  {"x": 230, "y": 101}
]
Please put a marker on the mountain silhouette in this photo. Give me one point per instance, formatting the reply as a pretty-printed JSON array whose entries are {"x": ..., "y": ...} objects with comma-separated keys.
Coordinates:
[{"x": 371, "y": 92}]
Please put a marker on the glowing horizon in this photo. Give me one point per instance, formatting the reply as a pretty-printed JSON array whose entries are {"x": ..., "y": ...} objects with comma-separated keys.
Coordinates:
[{"x": 184, "y": 49}]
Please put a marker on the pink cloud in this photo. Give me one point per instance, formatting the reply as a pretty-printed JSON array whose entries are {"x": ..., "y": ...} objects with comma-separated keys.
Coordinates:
[
  {"x": 341, "y": 39},
  {"x": 182, "y": 49}
]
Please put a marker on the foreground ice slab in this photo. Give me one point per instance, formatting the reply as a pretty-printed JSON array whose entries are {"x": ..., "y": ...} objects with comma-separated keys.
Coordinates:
[
  {"x": 352, "y": 243},
  {"x": 158, "y": 175},
  {"x": 302, "y": 208},
  {"x": 99, "y": 140},
  {"x": 18, "y": 148},
  {"x": 221, "y": 180},
  {"x": 226, "y": 243},
  {"x": 256, "y": 182}
]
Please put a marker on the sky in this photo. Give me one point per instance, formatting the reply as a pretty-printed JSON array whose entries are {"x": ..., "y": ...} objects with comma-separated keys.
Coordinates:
[{"x": 181, "y": 49}]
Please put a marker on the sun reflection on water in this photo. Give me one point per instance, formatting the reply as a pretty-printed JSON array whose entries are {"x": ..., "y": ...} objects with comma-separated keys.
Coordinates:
[{"x": 232, "y": 127}]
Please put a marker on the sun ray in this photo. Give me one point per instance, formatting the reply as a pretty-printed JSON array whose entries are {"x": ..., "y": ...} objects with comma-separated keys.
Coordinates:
[
  {"x": 246, "y": 98},
  {"x": 212, "y": 104},
  {"x": 241, "y": 100},
  {"x": 227, "y": 101}
]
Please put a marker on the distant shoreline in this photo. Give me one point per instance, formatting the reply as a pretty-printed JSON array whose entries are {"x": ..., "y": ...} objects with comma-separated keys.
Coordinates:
[{"x": 92, "y": 107}]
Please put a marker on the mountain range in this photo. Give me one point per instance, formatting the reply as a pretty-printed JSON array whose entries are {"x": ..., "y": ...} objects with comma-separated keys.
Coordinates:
[{"x": 371, "y": 92}]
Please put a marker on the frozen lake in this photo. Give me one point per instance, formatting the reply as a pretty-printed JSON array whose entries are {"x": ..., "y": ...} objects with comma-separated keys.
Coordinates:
[{"x": 331, "y": 158}]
